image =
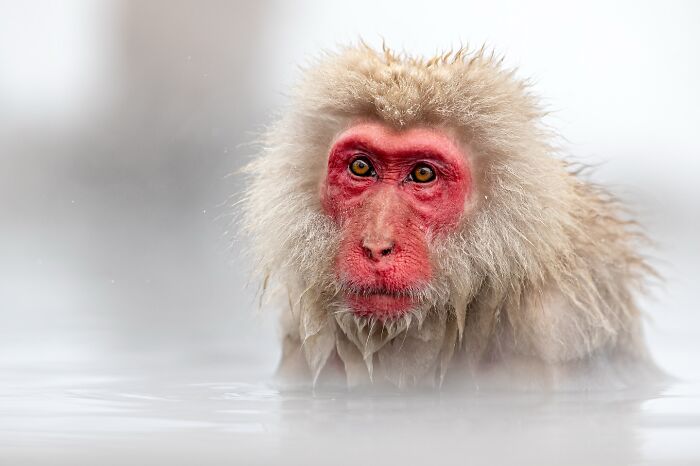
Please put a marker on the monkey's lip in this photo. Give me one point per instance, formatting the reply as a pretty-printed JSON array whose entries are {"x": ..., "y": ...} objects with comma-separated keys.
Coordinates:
[{"x": 379, "y": 302}]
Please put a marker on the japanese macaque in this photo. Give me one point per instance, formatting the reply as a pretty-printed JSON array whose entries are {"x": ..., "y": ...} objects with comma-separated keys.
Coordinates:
[{"x": 419, "y": 224}]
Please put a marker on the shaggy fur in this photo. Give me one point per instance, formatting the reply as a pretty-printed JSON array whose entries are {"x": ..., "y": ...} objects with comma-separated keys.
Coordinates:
[{"x": 539, "y": 275}]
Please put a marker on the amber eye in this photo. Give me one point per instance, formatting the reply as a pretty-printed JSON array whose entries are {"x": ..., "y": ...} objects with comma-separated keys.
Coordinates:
[
  {"x": 361, "y": 167},
  {"x": 422, "y": 173}
]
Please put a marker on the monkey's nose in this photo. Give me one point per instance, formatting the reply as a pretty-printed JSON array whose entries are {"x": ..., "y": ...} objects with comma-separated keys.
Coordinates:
[{"x": 377, "y": 249}]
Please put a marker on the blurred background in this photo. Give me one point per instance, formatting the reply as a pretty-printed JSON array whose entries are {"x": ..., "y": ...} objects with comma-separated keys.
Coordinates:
[
  {"x": 120, "y": 121},
  {"x": 129, "y": 329}
]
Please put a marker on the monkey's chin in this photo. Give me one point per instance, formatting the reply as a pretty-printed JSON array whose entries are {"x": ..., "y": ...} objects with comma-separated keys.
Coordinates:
[{"x": 384, "y": 306}]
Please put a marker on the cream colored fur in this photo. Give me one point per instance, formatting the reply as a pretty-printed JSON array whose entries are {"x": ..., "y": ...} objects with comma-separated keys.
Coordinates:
[{"x": 540, "y": 274}]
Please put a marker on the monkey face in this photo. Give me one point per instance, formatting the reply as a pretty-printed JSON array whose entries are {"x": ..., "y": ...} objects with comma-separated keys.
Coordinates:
[{"x": 390, "y": 192}]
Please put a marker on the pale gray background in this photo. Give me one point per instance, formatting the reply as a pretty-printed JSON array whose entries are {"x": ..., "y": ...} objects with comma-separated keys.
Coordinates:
[{"x": 119, "y": 121}]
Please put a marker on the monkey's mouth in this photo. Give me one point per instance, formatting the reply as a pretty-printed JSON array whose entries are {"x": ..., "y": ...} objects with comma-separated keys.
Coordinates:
[{"x": 379, "y": 302}]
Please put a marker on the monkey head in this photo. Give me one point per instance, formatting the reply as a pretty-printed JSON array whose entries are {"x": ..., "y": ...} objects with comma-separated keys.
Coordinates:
[
  {"x": 416, "y": 217},
  {"x": 390, "y": 191}
]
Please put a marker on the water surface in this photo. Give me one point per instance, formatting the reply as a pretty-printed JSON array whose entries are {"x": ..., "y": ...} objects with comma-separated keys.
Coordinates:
[{"x": 201, "y": 418}]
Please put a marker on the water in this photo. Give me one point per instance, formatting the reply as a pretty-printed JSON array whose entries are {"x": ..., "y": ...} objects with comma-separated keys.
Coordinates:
[{"x": 210, "y": 419}]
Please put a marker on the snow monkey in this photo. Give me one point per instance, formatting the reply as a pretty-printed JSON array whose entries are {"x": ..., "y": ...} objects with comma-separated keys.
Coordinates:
[{"x": 417, "y": 221}]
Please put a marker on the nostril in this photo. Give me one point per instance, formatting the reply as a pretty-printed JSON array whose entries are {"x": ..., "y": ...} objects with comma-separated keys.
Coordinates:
[{"x": 376, "y": 251}]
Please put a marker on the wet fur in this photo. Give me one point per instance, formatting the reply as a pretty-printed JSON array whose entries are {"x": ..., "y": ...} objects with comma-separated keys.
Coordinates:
[{"x": 540, "y": 274}]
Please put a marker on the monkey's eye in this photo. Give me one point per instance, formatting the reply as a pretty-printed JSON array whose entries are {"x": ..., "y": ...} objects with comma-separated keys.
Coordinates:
[
  {"x": 361, "y": 167},
  {"x": 422, "y": 173}
]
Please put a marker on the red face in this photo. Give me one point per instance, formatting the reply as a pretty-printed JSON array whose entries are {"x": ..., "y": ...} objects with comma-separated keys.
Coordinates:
[{"x": 389, "y": 190}]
